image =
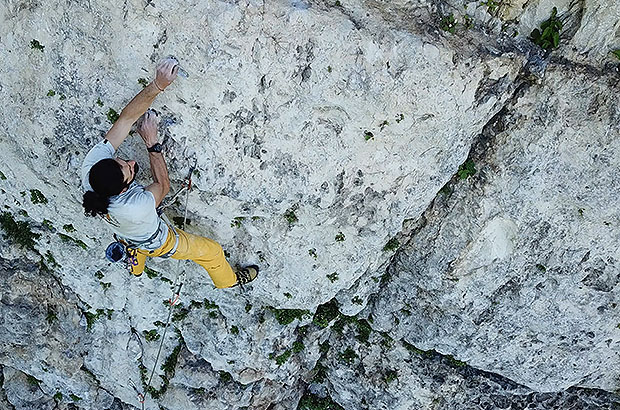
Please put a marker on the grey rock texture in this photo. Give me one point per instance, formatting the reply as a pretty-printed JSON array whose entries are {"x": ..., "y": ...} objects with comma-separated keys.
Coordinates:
[
  {"x": 528, "y": 242},
  {"x": 409, "y": 378},
  {"x": 326, "y": 135}
]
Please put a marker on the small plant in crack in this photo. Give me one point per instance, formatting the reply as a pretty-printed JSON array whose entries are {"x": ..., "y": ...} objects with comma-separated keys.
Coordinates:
[
  {"x": 112, "y": 115},
  {"x": 151, "y": 335},
  {"x": 467, "y": 169},
  {"x": 333, "y": 277},
  {"x": 448, "y": 23},
  {"x": 348, "y": 357},
  {"x": 491, "y": 5},
  {"x": 290, "y": 216},
  {"x": 468, "y": 22},
  {"x": 391, "y": 245},
  {"x": 548, "y": 37}
]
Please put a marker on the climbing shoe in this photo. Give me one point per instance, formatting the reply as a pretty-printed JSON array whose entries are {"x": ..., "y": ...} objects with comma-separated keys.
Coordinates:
[{"x": 246, "y": 275}]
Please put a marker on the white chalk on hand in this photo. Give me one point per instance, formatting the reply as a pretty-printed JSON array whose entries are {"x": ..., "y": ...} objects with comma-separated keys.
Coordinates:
[{"x": 180, "y": 71}]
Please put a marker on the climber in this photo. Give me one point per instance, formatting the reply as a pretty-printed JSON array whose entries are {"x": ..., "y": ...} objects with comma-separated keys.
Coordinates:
[{"x": 130, "y": 208}]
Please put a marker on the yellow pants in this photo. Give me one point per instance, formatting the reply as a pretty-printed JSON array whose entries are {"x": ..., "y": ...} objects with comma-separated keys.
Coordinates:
[{"x": 205, "y": 252}]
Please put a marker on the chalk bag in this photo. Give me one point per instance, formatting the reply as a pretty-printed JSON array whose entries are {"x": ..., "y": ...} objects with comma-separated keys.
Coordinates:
[{"x": 115, "y": 252}]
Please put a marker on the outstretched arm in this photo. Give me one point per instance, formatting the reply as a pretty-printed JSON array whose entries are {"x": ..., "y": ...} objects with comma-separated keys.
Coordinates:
[{"x": 166, "y": 73}]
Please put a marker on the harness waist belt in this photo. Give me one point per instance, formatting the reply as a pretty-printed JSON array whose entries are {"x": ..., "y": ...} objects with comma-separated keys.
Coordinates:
[{"x": 145, "y": 243}]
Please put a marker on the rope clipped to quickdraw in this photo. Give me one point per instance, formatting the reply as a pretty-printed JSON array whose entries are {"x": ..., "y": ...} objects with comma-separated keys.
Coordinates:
[
  {"x": 178, "y": 283},
  {"x": 141, "y": 398}
]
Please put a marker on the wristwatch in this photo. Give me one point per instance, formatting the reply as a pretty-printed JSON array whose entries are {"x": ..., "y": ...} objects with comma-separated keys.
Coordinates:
[{"x": 157, "y": 147}]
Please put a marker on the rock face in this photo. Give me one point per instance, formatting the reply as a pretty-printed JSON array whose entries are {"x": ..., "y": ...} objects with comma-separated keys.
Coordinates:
[
  {"x": 433, "y": 206},
  {"x": 524, "y": 253}
]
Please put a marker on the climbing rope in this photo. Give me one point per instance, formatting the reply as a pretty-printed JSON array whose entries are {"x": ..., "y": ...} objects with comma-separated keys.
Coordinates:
[{"x": 180, "y": 278}]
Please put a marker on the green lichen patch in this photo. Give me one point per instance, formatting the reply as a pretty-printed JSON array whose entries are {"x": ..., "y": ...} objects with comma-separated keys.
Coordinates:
[
  {"x": 209, "y": 304},
  {"x": 151, "y": 335},
  {"x": 180, "y": 313},
  {"x": 112, "y": 115},
  {"x": 333, "y": 277},
  {"x": 225, "y": 377},
  {"x": 37, "y": 197},
  {"x": 290, "y": 216},
  {"x": 298, "y": 347},
  {"x": 411, "y": 348},
  {"x": 150, "y": 272},
  {"x": 143, "y": 82},
  {"x": 18, "y": 232},
  {"x": 49, "y": 259},
  {"x": 348, "y": 356},
  {"x": 71, "y": 240},
  {"x": 51, "y": 316},
  {"x": 36, "y": 45},
  {"x": 33, "y": 381},
  {"x": 326, "y": 313},
  {"x": 390, "y": 375},
  {"x": 282, "y": 358},
  {"x": 363, "y": 330},
  {"x": 91, "y": 318},
  {"x": 287, "y": 316},
  {"x": 448, "y": 23},
  {"x": 454, "y": 362},
  {"x": 391, "y": 245},
  {"x": 237, "y": 222},
  {"x": 310, "y": 401}
]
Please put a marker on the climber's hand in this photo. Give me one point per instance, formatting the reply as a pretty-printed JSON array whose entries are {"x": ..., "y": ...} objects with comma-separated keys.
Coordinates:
[
  {"x": 166, "y": 72},
  {"x": 147, "y": 127}
]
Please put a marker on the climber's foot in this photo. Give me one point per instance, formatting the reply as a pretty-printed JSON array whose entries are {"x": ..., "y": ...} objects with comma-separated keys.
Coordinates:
[{"x": 246, "y": 274}]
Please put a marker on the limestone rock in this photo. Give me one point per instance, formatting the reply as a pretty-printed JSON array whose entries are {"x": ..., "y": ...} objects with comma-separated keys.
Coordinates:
[
  {"x": 524, "y": 253},
  {"x": 323, "y": 133}
]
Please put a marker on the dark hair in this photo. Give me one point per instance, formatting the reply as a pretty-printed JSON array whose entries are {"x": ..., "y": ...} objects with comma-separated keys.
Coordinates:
[{"x": 106, "y": 180}]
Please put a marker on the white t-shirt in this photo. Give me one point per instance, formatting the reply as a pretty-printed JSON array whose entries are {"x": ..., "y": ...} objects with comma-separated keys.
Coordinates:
[{"x": 131, "y": 214}]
